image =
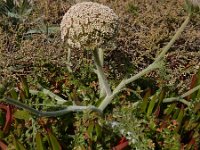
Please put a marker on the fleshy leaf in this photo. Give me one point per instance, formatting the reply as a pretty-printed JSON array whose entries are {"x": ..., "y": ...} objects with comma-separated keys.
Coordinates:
[
  {"x": 18, "y": 145},
  {"x": 53, "y": 142},
  {"x": 39, "y": 143},
  {"x": 22, "y": 114}
]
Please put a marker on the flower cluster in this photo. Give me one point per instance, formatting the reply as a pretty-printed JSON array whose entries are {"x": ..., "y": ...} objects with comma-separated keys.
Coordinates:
[{"x": 89, "y": 25}]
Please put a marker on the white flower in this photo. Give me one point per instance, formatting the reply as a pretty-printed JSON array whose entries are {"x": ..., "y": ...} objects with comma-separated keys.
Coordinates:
[{"x": 89, "y": 25}]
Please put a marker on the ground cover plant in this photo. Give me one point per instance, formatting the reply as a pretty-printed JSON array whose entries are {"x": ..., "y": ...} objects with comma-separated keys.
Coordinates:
[{"x": 91, "y": 91}]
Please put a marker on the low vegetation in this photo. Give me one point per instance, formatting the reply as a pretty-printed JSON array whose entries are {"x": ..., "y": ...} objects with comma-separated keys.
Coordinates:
[{"x": 151, "y": 97}]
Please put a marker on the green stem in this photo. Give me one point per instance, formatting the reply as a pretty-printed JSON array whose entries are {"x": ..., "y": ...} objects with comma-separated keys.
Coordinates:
[
  {"x": 174, "y": 38},
  {"x": 123, "y": 83},
  {"x": 191, "y": 91},
  {"x": 181, "y": 98},
  {"x": 176, "y": 99},
  {"x": 101, "y": 75},
  {"x": 59, "y": 99},
  {"x": 101, "y": 59},
  {"x": 69, "y": 60},
  {"x": 151, "y": 67},
  {"x": 68, "y": 109}
]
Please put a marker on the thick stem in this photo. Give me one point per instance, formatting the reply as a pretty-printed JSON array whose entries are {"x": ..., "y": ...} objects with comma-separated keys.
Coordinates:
[
  {"x": 123, "y": 83},
  {"x": 176, "y": 99},
  {"x": 180, "y": 99},
  {"x": 68, "y": 109},
  {"x": 101, "y": 56},
  {"x": 174, "y": 38},
  {"x": 101, "y": 59},
  {"x": 151, "y": 67},
  {"x": 101, "y": 75},
  {"x": 69, "y": 60}
]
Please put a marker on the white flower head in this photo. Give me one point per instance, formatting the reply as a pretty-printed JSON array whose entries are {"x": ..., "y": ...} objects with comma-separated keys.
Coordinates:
[{"x": 89, "y": 25}]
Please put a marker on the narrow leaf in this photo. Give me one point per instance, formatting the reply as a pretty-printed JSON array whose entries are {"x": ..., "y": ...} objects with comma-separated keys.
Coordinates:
[
  {"x": 175, "y": 115},
  {"x": 90, "y": 130},
  {"x": 180, "y": 116},
  {"x": 145, "y": 101},
  {"x": 170, "y": 109},
  {"x": 98, "y": 130},
  {"x": 39, "y": 143},
  {"x": 18, "y": 145},
  {"x": 25, "y": 87},
  {"x": 22, "y": 114},
  {"x": 151, "y": 105},
  {"x": 54, "y": 142}
]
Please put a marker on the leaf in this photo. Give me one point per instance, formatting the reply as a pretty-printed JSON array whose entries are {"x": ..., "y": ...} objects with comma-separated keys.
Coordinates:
[
  {"x": 22, "y": 114},
  {"x": 158, "y": 107},
  {"x": 25, "y": 87},
  {"x": 18, "y": 145},
  {"x": 8, "y": 117},
  {"x": 14, "y": 94},
  {"x": 53, "y": 141},
  {"x": 90, "y": 130},
  {"x": 3, "y": 146},
  {"x": 180, "y": 116},
  {"x": 145, "y": 101},
  {"x": 2, "y": 90},
  {"x": 152, "y": 125},
  {"x": 39, "y": 143},
  {"x": 175, "y": 115},
  {"x": 98, "y": 130},
  {"x": 151, "y": 105},
  {"x": 170, "y": 109}
]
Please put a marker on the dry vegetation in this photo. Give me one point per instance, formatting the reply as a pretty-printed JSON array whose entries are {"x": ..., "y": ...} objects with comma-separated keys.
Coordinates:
[
  {"x": 33, "y": 46},
  {"x": 145, "y": 27}
]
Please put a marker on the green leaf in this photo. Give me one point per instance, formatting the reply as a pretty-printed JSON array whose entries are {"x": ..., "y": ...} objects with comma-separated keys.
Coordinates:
[
  {"x": 14, "y": 94},
  {"x": 18, "y": 145},
  {"x": 3, "y": 88},
  {"x": 180, "y": 116},
  {"x": 98, "y": 130},
  {"x": 145, "y": 101},
  {"x": 22, "y": 114},
  {"x": 39, "y": 143},
  {"x": 170, "y": 109},
  {"x": 54, "y": 142},
  {"x": 25, "y": 87},
  {"x": 90, "y": 130},
  {"x": 179, "y": 119},
  {"x": 175, "y": 115},
  {"x": 152, "y": 125},
  {"x": 151, "y": 105}
]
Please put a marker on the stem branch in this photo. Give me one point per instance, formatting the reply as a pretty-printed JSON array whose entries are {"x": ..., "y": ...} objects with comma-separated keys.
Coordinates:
[
  {"x": 102, "y": 78},
  {"x": 68, "y": 109},
  {"x": 107, "y": 100}
]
